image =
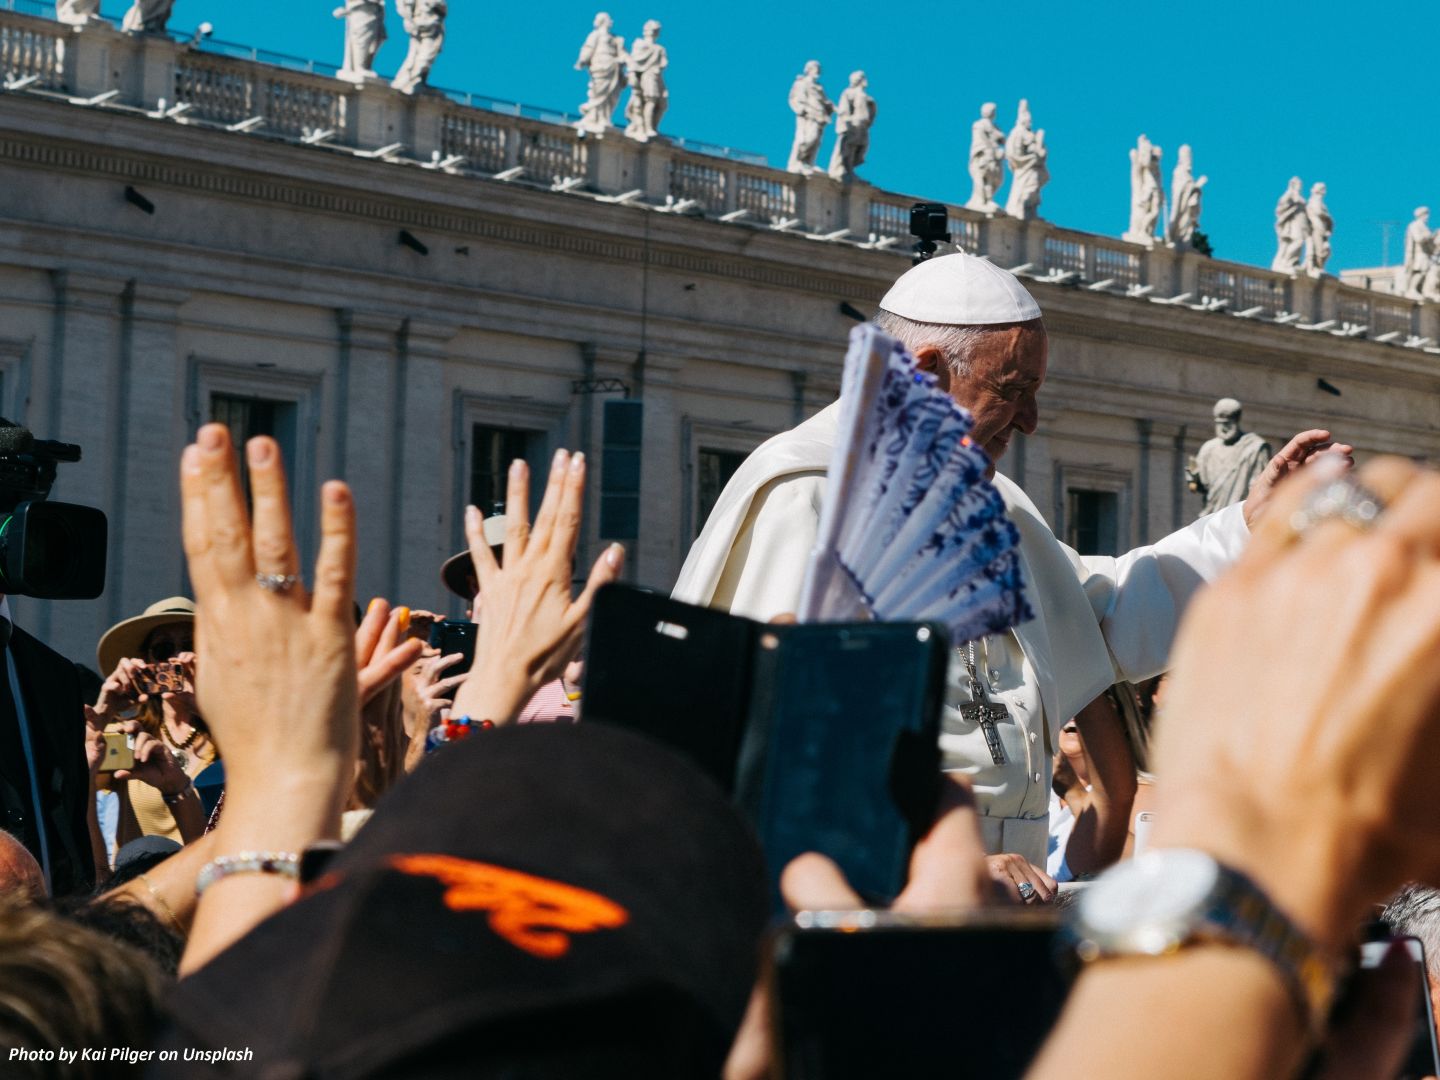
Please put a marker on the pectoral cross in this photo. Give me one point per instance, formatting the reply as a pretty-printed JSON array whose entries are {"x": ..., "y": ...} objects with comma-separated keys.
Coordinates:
[{"x": 981, "y": 711}]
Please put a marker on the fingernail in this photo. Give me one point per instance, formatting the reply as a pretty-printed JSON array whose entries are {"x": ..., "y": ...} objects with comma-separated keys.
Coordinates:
[
  {"x": 577, "y": 462},
  {"x": 558, "y": 461},
  {"x": 190, "y": 459},
  {"x": 375, "y": 603},
  {"x": 336, "y": 493},
  {"x": 211, "y": 437},
  {"x": 404, "y": 618},
  {"x": 613, "y": 555},
  {"x": 472, "y": 517},
  {"x": 517, "y": 467},
  {"x": 259, "y": 451}
]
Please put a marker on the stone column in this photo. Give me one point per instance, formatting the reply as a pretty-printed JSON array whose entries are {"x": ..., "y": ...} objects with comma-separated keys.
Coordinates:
[
  {"x": 1003, "y": 239},
  {"x": 416, "y": 545},
  {"x": 362, "y": 418},
  {"x": 147, "y": 559},
  {"x": 1161, "y": 269},
  {"x": 1428, "y": 321},
  {"x": 655, "y": 558}
]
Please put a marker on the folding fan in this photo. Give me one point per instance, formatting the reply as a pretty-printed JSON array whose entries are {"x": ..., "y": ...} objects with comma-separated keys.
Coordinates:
[{"x": 911, "y": 529}]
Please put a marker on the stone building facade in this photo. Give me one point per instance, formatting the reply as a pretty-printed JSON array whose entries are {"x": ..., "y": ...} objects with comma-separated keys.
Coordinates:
[{"x": 408, "y": 291}]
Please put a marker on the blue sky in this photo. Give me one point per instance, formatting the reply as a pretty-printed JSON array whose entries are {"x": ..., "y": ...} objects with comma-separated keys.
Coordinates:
[{"x": 1344, "y": 93}]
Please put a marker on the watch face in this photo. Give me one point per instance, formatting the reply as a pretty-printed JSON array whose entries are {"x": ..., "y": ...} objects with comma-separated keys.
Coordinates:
[{"x": 1150, "y": 903}]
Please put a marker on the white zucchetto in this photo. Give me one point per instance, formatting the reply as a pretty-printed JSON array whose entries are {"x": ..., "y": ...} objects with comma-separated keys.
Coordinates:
[{"x": 960, "y": 290}]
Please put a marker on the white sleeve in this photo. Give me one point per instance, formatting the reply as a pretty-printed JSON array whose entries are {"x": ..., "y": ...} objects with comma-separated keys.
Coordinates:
[
  {"x": 1139, "y": 597},
  {"x": 766, "y": 567}
]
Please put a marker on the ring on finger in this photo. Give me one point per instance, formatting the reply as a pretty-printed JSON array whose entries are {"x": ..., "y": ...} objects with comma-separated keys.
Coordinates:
[
  {"x": 1343, "y": 498},
  {"x": 277, "y": 583},
  {"x": 1027, "y": 891}
]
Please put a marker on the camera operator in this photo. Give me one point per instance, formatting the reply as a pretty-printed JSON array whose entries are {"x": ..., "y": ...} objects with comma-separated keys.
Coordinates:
[{"x": 52, "y": 551}]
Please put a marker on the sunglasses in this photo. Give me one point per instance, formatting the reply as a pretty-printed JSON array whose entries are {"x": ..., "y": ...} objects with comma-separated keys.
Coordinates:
[{"x": 161, "y": 649}]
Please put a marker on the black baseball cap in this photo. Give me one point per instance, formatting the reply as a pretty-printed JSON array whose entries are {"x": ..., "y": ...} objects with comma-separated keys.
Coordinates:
[{"x": 540, "y": 901}]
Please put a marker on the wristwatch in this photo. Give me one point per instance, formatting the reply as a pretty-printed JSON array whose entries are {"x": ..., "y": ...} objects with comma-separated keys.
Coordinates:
[{"x": 1166, "y": 899}]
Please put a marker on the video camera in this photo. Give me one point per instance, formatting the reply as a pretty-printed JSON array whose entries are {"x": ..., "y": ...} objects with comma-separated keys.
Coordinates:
[
  {"x": 49, "y": 550},
  {"x": 929, "y": 223}
]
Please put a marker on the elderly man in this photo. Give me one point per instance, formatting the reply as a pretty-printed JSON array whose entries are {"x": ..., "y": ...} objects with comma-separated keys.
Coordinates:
[{"x": 1098, "y": 620}]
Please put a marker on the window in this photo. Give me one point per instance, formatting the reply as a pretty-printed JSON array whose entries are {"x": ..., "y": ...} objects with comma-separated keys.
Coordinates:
[
  {"x": 716, "y": 469},
  {"x": 492, "y": 449},
  {"x": 1093, "y": 521},
  {"x": 247, "y": 417}
]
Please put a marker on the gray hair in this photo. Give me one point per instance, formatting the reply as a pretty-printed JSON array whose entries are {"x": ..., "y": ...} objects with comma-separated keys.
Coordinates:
[
  {"x": 1415, "y": 912},
  {"x": 955, "y": 343}
]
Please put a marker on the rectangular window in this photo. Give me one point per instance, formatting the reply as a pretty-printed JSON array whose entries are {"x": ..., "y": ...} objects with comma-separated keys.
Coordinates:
[
  {"x": 1093, "y": 521},
  {"x": 247, "y": 417},
  {"x": 716, "y": 469},
  {"x": 492, "y": 449}
]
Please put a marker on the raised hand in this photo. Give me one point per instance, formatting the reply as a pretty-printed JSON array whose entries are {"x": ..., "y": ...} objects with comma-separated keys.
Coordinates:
[
  {"x": 1306, "y": 447},
  {"x": 530, "y": 623}
]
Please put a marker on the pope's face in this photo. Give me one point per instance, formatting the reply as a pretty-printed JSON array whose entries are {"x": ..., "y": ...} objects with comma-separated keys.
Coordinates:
[{"x": 1007, "y": 370}]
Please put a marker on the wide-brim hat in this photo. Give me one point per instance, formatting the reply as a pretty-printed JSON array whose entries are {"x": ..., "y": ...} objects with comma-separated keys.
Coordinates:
[
  {"x": 125, "y": 638},
  {"x": 605, "y": 908},
  {"x": 457, "y": 570}
]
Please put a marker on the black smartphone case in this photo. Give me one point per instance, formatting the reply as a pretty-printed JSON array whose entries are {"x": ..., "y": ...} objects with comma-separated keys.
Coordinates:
[{"x": 826, "y": 735}]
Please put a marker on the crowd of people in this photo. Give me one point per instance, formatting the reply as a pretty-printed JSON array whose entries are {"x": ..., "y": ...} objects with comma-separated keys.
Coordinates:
[{"x": 333, "y": 849}]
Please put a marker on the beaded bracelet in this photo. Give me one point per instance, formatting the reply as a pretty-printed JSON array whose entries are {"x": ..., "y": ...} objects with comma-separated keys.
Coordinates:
[
  {"x": 284, "y": 863},
  {"x": 457, "y": 727}
]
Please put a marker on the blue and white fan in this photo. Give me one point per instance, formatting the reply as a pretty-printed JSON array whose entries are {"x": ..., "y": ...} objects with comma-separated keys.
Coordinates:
[{"x": 911, "y": 529}]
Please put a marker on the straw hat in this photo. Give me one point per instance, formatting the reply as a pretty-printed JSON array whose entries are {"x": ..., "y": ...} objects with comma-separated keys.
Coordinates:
[
  {"x": 125, "y": 638},
  {"x": 457, "y": 570}
]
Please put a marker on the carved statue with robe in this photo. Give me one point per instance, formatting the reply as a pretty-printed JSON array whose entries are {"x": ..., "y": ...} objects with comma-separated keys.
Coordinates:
[
  {"x": 854, "y": 114},
  {"x": 77, "y": 12},
  {"x": 603, "y": 56},
  {"x": 987, "y": 161},
  {"x": 1147, "y": 192},
  {"x": 1292, "y": 227},
  {"x": 1222, "y": 472},
  {"x": 1322, "y": 227},
  {"x": 812, "y": 111},
  {"x": 1025, "y": 151},
  {"x": 1185, "y": 192},
  {"x": 424, "y": 21},
  {"x": 147, "y": 16},
  {"x": 1419, "y": 247},
  {"x": 649, "y": 97},
  {"x": 364, "y": 33}
]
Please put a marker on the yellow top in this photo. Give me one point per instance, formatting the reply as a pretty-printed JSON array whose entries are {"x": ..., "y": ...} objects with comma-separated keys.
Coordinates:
[{"x": 151, "y": 813}]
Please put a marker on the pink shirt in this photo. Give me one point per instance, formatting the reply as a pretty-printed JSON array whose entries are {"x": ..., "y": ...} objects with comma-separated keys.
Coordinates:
[{"x": 550, "y": 703}]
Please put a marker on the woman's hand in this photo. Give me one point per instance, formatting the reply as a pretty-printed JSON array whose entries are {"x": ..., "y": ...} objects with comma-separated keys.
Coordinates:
[
  {"x": 154, "y": 764},
  {"x": 383, "y": 648},
  {"x": 530, "y": 623}
]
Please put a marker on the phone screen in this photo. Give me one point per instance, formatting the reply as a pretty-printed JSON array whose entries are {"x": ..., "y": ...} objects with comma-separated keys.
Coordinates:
[
  {"x": 1423, "y": 1058},
  {"x": 857, "y": 1003},
  {"x": 849, "y": 721}
]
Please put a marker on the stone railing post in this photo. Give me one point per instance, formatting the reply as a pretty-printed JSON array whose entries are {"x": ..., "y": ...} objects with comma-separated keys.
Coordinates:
[
  {"x": 855, "y": 208},
  {"x": 1160, "y": 268},
  {"x": 1427, "y": 321},
  {"x": 426, "y": 124},
  {"x": 1003, "y": 240},
  {"x": 819, "y": 204},
  {"x": 376, "y": 116},
  {"x": 91, "y": 52}
]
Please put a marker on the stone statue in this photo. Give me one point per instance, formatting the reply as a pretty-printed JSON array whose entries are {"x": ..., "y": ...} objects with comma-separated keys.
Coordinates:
[
  {"x": 812, "y": 111},
  {"x": 648, "y": 96},
  {"x": 603, "y": 55},
  {"x": 1026, "y": 153},
  {"x": 1322, "y": 227},
  {"x": 1147, "y": 192},
  {"x": 1185, "y": 192},
  {"x": 148, "y": 16},
  {"x": 1228, "y": 464},
  {"x": 1419, "y": 247},
  {"x": 1292, "y": 226},
  {"x": 987, "y": 161},
  {"x": 1430, "y": 289},
  {"x": 854, "y": 114},
  {"x": 78, "y": 12},
  {"x": 364, "y": 32},
  {"x": 424, "y": 21}
]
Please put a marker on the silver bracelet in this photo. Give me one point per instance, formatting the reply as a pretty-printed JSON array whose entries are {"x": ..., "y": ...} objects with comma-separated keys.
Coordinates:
[{"x": 284, "y": 863}]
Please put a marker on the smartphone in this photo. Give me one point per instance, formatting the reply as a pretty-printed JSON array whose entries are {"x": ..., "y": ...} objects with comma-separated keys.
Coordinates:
[
  {"x": 842, "y": 749},
  {"x": 167, "y": 677},
  {"x": 866, "y": 994},
  {"x": 454, "y": 636},
  {"x": 1423, "y": 1057},
  {"x": 1144, "y": 822},
  {"x": 119, "y": 751}
]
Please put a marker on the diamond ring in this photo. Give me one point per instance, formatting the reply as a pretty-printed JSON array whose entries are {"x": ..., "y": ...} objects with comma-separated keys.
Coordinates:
[
  {"x": 276, "y": 583},
  {"x": 1345, "y": 498},
  {"x": 1026, "y": 891}
]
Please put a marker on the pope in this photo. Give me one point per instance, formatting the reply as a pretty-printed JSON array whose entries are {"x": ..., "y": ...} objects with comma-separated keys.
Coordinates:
[{"x": 1098, "y": 619}]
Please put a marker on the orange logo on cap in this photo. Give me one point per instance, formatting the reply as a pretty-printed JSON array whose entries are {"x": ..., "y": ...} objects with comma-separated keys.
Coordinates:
[{"x": 531, "y": 913}]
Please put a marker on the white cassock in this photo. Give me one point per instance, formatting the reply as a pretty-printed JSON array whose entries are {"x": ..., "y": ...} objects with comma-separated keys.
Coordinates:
[{"x": 1098, "y": 619}]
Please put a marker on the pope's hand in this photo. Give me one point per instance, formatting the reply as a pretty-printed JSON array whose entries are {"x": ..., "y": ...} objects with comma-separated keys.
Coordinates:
[{"x": 1299, "y": 451}]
